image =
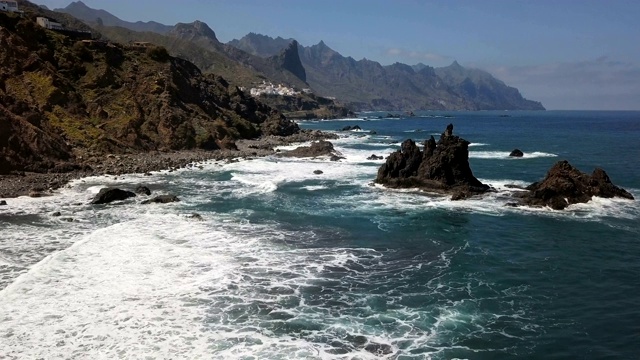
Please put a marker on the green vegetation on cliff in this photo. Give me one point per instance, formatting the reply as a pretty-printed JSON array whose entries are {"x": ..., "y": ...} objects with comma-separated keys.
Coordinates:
[{"x": 58, "y": 95}]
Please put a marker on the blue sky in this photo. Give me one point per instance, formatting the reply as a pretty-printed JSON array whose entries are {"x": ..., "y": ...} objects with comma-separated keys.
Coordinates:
[{"x": 569, "y": 54}]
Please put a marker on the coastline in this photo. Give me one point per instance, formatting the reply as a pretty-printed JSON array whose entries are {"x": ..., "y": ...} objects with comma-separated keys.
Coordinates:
[{"x": 44, "y": 184}]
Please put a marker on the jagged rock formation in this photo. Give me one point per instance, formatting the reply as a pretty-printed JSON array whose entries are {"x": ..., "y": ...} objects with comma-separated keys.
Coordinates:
[
  {"x": 565, "y": 185},
  {"x": 441, "y": 167},
  {"x": 57, "y": 96},
  {"x": 261, "y": 45},
  {"x": 289, "y": 60}
]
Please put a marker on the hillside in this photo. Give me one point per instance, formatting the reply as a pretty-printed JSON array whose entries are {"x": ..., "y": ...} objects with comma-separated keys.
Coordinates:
[
  {"x": 483, "y": 89},
  {"x": 84, "y": 13},
  {"x": 58, "y": 96},
  {"x": 367, "y": 84},
  {"x": 361, "y": 84}
]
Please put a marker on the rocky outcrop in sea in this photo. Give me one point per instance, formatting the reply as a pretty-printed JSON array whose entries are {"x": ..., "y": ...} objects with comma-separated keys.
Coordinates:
[
  {"x": 441, "y": 167},
  {"x": 565, "y": 185}
]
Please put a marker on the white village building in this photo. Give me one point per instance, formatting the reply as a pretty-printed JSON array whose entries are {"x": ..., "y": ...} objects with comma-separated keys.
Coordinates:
[
  {"x": 9, "y": 6},
  {"x": 49, "y": 24},
  {"x": 270, "y": 89}
]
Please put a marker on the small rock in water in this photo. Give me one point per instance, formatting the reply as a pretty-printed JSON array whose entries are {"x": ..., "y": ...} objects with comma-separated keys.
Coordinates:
[
  {"x": 375, "y": 157},
  {"x": 317, "y": 172},
  {"x": 195, "y": 216},
  {"x": 107, "y": 195},
  {"x": 143, "y": 190},
  {"x": 379, "y": 349},
  {"x": 162, "y": 199},
  {"x": 516, "y": 153},
  {"x": 56, "y": 214},
  {"x": 336, "y": 158},
  {"x": 3, "y": 203}
]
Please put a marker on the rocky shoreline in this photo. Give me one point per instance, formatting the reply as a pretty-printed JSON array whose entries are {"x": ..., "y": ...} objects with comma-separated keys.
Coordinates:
[{"x": 87, "y": 164}]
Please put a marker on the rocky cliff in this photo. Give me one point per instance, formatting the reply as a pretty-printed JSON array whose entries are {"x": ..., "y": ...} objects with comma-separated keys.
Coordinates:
[{"x": 58, "y": 96}]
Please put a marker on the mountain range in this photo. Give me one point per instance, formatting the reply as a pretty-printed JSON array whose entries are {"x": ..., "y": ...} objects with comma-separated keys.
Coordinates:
[{"x": 360, "y": 84}]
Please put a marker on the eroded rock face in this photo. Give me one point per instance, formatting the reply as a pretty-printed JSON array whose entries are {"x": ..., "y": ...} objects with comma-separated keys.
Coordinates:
[
  {"x": 565, "y": 185},
  {"x": 441, "y": 167}
]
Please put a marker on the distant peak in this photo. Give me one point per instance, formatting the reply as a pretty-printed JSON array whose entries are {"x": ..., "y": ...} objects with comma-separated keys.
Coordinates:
[
  {"x": 77, "y": 5},
  {"x": 321, "y": 43},
  {"x": 455, "y": 64},
  {"x": 197, "y": 27},
  {"x": 289, "y": 59}
]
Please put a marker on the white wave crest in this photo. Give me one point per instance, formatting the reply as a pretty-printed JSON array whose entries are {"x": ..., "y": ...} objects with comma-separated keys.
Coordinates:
[{"x": 505, "y": 155}]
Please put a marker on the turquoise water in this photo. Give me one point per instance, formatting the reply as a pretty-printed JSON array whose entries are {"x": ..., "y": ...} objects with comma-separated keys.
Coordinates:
[{"x": 292, "y": 265}]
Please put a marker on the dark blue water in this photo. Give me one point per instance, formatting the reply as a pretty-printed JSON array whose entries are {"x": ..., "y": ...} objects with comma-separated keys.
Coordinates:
[{"x": 289, "y": 264}]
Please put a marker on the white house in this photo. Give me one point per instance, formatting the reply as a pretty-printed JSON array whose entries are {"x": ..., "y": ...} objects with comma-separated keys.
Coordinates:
[
  {"x": 49, "y": 24},
  {"x": 9, "y": 6}
]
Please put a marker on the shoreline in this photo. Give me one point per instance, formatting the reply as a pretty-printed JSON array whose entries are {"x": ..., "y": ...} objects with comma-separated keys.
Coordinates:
[{"x": 43, "y": 184}]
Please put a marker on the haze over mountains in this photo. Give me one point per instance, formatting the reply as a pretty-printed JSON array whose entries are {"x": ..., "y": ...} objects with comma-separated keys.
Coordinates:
[{"x": 361, "y": 84}]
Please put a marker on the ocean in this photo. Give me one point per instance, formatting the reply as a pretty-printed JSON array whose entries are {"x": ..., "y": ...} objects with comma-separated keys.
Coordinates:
[{"x": 288, "y": 264}]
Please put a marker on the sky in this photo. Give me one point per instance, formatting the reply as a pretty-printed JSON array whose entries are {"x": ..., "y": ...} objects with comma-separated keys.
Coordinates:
[{"x": 568, "y": 54}]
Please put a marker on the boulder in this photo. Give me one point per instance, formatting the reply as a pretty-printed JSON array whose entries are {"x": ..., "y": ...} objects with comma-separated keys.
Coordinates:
[
  {"x": 565, "y": 185},
  {"x": 351, "y": 128},
  {"x": 516, "y": 153},
  {"x": 195, "y": 216},
  {"x": 162, "y": 199},
  {"x": 379, "y": 349},
  {"x": 36, "y": 194},
  {"x": 375, "y": 157},
  {"x": 3, "y": 203},
  {"x": 317, "y": 172},
  {"x": 107, "y": 195},
  {"x": 317, "y": 148},
  {"x": 143, "y": 190},
  {"x": 441, "y": 167}
]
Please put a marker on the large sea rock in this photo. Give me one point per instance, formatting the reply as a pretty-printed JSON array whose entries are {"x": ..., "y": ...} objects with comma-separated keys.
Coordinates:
[
  {"x": 441, "y": 167},
  {"x": 317, "y": 148},
  {"x": 565, "y": 185}
]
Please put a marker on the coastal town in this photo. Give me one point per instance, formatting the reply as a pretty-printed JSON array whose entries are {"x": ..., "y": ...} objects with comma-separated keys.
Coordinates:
[{"x": 267, "y": 88}]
